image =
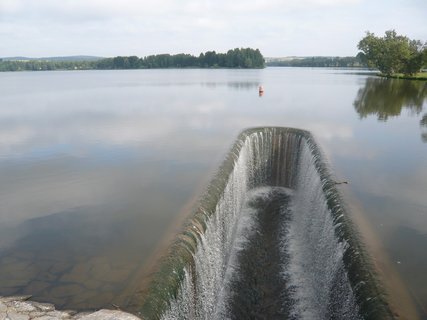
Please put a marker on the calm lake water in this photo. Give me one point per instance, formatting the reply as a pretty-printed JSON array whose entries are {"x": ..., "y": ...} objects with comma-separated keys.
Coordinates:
[{"x": 97, "y": 168}]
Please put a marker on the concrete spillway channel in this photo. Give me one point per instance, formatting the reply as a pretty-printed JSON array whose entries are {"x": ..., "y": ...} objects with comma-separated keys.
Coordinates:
[{"x": 271, "y": 239}]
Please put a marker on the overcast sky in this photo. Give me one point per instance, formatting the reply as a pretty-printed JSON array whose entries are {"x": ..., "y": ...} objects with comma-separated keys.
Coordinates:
[{"x": 39, "y": 28}]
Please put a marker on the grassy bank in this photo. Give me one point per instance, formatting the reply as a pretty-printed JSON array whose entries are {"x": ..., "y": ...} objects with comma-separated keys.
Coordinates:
[{"x": 417, "y": 76}]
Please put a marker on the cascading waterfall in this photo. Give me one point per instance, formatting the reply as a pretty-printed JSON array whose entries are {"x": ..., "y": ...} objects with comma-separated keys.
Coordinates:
[
  {"x": 270, "y": 240},
  {"x": 316, "y": 269}
]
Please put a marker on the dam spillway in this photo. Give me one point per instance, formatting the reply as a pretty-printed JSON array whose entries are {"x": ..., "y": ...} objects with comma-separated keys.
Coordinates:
[{"x": 271, "y": 239}]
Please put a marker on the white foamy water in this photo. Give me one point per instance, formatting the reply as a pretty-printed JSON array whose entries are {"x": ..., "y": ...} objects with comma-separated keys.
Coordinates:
[{"x": 313, "y": 267}]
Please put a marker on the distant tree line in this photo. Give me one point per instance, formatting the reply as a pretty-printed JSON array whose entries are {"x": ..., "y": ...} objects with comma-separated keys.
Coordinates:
[
  {"x": 393, "y": 53},
  {"x": 235, "y": 58},
  {"x": 39, "y": 65},
  {"x": 319, "y": 62}
]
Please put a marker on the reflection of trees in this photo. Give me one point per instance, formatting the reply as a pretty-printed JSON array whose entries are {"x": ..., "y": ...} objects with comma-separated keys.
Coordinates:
[
  {"x": 387, "y": 97},
  {"x": 423, "y": 123},
  {"x": 243, "y": 85}
]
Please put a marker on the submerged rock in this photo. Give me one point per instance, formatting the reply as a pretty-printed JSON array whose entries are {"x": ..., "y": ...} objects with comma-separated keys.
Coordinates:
[{"x": 20, "y": 308}]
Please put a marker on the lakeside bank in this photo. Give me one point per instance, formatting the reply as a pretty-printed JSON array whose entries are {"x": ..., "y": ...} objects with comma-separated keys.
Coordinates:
[{"x": 419, "y": 76}]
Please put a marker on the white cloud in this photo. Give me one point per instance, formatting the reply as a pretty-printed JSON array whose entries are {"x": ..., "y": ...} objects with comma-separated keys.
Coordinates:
[
  {"x": 277, "y": 27},
  {"x": 13, "y": 136}
]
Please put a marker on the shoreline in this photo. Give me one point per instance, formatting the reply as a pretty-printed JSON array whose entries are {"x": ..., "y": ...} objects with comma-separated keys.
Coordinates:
[
  {"x": 421, "y": 76},
  {"x": 129, "y": 69}
]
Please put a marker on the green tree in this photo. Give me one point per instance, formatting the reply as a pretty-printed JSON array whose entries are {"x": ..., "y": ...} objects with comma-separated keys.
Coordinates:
[
  {"x": 417, "y": 57},
  {"x": 392, "y": 53},
  {"x": 133, "y": 62}
]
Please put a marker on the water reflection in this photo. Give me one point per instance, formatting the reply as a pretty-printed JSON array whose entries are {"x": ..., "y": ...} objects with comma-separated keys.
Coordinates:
[
  {"x": 235, "y": 85},
  {"x": 404, "y": 244},
  {"x": 423, "y": 123},
  {"x": 387, "y": 97},
  {"x": 125, "y": 151},
  {"x": 94, "y": 169}
]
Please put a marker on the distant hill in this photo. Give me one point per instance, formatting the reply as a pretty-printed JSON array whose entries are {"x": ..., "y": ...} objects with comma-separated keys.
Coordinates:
[{"x": 66, "y": 58}]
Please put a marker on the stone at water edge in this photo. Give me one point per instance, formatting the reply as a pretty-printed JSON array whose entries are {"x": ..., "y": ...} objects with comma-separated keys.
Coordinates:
[
  {"x": 109, "y": 315},
  {"x": 19, "y": 308}
]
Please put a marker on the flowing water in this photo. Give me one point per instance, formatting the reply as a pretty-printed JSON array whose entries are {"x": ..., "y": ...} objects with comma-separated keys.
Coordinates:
[
  {"x": 97, "y": 169},
  {"x": 275, "y": 242}
]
